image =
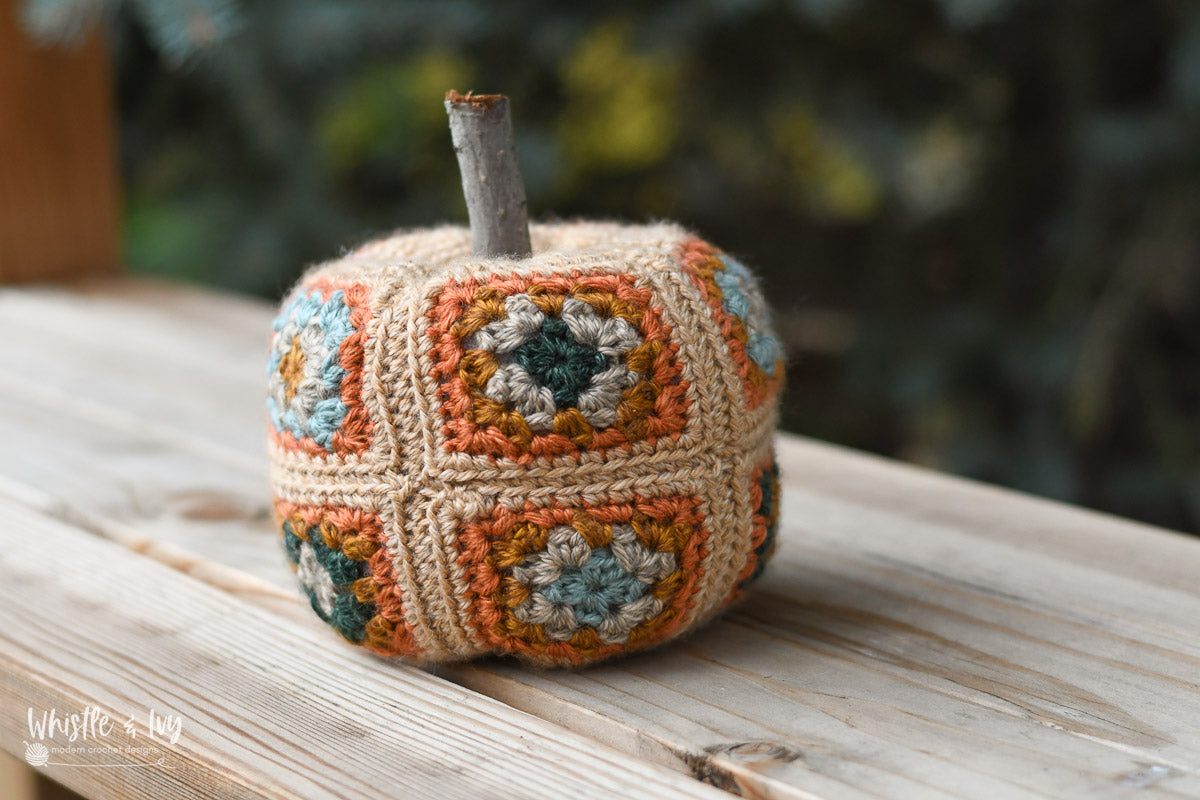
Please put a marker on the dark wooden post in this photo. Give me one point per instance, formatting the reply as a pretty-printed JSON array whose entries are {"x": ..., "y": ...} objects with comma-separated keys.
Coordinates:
[{"x": 58, "y": 171}]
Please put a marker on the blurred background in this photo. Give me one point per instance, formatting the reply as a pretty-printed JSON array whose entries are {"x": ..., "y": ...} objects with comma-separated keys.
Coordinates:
[{"x": 978, "y": 220}]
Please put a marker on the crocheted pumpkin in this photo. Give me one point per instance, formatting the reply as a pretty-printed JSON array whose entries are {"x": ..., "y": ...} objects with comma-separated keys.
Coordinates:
[{"x": 562, "y": 458}]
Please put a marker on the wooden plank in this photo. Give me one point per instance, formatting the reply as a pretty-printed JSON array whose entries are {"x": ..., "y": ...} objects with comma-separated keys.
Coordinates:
[
  {"x": 124, "y": 347},
  {"x": 17, "y": 780},
  {"x": 58, "y": 177},
  {"x": 917, "y": 636},
  {"x": 261, "y": 716}
]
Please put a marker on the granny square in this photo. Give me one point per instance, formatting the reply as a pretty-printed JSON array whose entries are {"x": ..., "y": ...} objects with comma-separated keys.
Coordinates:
[{"x": 561, "y": 458}]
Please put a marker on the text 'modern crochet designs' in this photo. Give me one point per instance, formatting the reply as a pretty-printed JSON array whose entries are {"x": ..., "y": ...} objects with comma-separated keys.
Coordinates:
[{"x": 561, "y": 458}]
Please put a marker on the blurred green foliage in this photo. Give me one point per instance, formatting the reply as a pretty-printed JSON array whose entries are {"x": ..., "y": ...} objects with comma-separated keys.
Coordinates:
[{"x": 979, "y": 220}]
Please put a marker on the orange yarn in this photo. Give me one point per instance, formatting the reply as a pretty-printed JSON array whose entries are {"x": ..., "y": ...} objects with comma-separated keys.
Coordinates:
[
  {"x": 654, "y": 408},
  {"x": 359, "y": 535},
  {"x": 701, "y": 260},
  {"x": 563, "y": 458},
  {"x": 489, "y": 549},
  {"x": 354, "y": 434}
]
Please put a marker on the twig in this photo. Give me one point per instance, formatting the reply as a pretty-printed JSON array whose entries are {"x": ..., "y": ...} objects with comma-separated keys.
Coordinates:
[{"x": 481, "y": 129}]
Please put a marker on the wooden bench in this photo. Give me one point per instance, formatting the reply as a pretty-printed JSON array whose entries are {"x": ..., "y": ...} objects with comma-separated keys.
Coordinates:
[{"x": 916, "y": 636}]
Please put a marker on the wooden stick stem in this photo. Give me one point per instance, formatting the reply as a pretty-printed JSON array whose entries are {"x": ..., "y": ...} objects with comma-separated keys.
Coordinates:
[{"x": 481, "y": 128}]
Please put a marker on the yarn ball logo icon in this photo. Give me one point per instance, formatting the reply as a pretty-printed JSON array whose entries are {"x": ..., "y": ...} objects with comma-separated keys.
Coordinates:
[{"x": 36, "y": 754}]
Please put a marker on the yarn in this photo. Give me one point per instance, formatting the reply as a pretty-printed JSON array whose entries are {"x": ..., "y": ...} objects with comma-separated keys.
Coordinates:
[{"x": 562, "y": 458}]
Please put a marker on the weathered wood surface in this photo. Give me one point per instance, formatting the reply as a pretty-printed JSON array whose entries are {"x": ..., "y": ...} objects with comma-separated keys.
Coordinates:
[
  {"x": 916, "y": 636},
  {"x": 262, "y": 716}
]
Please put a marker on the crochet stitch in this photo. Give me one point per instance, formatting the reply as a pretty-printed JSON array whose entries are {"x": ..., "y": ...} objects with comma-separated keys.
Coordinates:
[{"x": 562, "y": 458}]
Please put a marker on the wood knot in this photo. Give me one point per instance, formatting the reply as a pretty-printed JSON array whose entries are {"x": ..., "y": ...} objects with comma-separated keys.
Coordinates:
[
  {"x": 755, "y": 752},
  {"x": 216, "y": 506},
  {"x": 755, "y": 756}
]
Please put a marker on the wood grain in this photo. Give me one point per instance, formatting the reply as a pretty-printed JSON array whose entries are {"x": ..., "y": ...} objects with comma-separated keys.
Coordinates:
[
  {"x": 58, "y": 176},
  {"x": 916, "y": 636},
  {"x": 262, "y": 716}
]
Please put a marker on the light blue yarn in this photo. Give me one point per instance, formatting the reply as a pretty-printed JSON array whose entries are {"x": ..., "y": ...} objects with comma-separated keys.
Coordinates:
[
  {"x": 300, "y": 310},
  {"x": 335, "y": 320},
  {"x": 764, "y": 351},
  {"x": 762, "y": 348},
  {"x": 327, "y": 414},
  {"x": 325, "y": 419},
  {"x": 730, "y": 280},
  {"x": 595, "y": 589}
]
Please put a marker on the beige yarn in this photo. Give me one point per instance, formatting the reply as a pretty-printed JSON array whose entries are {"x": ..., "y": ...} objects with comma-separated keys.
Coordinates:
[{"x": 399, "y": 502}]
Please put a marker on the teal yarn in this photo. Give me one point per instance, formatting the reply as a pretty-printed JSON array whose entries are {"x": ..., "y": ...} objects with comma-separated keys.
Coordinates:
[
  {"x": 350, "y": 617},
  {"x": 596, "y": 588},
  {"x": 768, "y": 482},
  {"x": 560, "y": 362},
  {"x": 342, "y": 570},
  {"x": 291, "y": 543},
  {"x": 316, "y": 410},
  {"x": 735, "y": 282},
  {"x": 345, "y": 613},
  {"x": 557, "y": 458}
]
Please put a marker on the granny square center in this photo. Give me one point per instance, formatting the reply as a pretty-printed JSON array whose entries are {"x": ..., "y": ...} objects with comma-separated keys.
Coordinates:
[
  {"x": 559, "y": 362},
  {"x": 554, "y": 365}
]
